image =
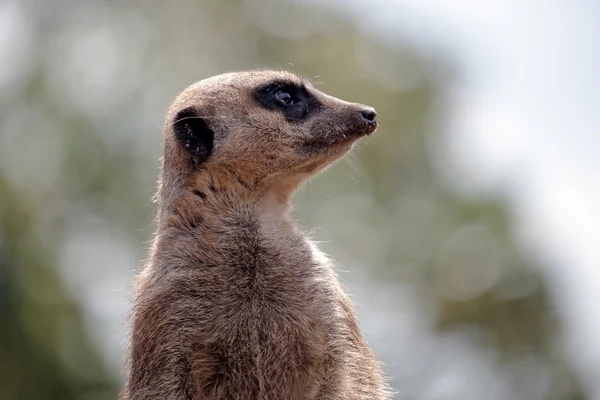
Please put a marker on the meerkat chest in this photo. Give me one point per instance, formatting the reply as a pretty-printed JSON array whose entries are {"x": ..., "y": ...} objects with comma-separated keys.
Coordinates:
[
  {"x": 279, "y": 273},
  {"x": 279, "y": 316},
  {"x": 251, "y": 307}
]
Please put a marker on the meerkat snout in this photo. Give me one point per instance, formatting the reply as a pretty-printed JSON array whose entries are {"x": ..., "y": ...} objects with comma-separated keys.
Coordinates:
[
  {"x": 368, "y": 119},
  {"x": 369, "y": 115}
]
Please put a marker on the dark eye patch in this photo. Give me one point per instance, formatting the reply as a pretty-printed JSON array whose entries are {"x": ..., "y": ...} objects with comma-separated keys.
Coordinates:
[{"x": 293, "y": 100}]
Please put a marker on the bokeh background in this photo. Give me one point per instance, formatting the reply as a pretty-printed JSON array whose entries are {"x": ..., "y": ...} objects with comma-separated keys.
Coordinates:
[{"x": 467, "y": 226}]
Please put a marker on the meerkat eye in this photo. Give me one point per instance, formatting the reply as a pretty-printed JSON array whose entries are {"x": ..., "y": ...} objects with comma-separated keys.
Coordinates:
[
  {"x": 291, "y": 99},
  {"x": 284, "y": 97}
]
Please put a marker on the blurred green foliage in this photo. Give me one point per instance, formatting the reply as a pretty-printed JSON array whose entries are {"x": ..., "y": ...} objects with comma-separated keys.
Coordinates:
[{"x": 80, "y": 120}]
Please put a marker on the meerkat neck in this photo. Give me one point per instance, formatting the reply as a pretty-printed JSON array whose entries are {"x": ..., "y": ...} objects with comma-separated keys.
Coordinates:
[
  {"x": 218, "y": 197},
  {"x": 216, "y": 216}
]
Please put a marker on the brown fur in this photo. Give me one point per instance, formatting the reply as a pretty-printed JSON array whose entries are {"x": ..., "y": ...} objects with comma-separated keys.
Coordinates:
[{"x": 235, "y": 302}]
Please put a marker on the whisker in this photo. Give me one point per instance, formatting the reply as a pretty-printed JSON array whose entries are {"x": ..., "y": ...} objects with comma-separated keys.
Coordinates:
[{"x": 222, "y": 117}]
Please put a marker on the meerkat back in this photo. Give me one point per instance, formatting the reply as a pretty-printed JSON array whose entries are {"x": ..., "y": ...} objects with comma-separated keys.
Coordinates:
[{"x": 234, "y": 301}]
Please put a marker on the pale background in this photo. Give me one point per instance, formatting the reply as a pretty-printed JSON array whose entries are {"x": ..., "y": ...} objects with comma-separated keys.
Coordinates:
[{"x": 468, "y": 225}]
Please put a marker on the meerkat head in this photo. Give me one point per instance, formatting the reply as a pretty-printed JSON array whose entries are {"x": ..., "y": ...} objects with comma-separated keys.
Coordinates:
[{"x": 269, "y": 127}]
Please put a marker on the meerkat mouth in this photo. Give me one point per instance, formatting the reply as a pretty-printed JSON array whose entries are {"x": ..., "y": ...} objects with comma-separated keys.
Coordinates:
[
  {"x": 344, "y": 138},
  {"x": 371, "y": 128},
  {"x": 327, "y": 146}
]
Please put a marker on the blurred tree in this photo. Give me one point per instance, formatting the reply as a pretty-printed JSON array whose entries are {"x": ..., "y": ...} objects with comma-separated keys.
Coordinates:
[{"x": 45, "y": 352}]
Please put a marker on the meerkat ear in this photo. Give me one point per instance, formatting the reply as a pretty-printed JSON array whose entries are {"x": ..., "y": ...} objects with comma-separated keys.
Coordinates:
[{"x": 193, "y": 133}]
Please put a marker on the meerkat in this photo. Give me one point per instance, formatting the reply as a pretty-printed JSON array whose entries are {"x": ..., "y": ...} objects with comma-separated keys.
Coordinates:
[{"x": 235, "y": 302}]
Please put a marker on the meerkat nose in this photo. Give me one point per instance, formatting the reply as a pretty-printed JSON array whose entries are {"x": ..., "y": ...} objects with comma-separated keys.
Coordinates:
[{"x": 368, "y": 114}]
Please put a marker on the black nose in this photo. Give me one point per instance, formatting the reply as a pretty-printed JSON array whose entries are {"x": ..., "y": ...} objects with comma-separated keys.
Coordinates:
[{"x": 368, "y": 115}]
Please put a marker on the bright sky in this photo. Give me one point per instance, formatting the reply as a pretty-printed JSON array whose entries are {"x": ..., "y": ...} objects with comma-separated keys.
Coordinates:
[{"x": 525, "y": 120}]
